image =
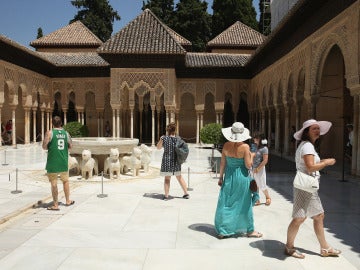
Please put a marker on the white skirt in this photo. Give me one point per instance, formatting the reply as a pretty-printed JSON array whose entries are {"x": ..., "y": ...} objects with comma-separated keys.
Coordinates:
[{"x": 260, "y": 178}]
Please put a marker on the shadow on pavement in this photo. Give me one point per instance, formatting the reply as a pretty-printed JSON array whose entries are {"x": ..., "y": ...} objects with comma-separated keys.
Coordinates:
[{"x": 205, "y": 228}]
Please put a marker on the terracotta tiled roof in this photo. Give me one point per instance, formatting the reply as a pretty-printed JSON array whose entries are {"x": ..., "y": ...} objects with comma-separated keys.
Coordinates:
[
  {"x": 201, "y": 60},
  {"x": 74, "y": 59},
  {"x": 74, "y": 34},
  {"x": 146, "y": 34},
  {"x": 237, "y": 35}
]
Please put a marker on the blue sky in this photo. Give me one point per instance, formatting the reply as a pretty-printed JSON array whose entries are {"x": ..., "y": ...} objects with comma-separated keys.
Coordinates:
[{"x": 20, "y": 19}]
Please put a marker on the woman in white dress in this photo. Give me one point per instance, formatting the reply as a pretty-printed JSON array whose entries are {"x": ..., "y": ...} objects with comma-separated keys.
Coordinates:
[
  {"x": 260, "y": 161},
  {"x": 308, "y": 204}
]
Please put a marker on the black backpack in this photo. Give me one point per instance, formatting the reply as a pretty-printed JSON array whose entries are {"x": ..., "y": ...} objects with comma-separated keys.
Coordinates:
[{"x": 181, "y": 150}]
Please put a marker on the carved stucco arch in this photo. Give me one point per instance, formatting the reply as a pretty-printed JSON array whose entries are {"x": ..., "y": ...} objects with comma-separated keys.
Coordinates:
[
  {"x": 321, "y": 54},
  {"x": 11, "y": 93},
  {"x": 26, "y": 99},
  {"x": 187, "y": 87},
  {"x": 210, "y": 88}
]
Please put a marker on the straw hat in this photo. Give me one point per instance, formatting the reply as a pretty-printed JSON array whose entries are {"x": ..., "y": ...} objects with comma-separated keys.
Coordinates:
[
  {"x": 324, "y": 127},
  {"x": 236, "y": 133}
]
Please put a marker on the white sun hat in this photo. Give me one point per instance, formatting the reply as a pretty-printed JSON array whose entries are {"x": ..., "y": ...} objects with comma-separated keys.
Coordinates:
[
  {"x": 236, "y": 133},
  {"x": 324, "y": 127}
]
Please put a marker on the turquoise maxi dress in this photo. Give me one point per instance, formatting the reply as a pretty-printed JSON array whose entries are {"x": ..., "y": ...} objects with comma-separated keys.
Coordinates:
[{"x": 234, "y": 213}]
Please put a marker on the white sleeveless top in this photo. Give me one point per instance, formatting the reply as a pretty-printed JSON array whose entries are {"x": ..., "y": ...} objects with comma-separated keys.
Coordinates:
[{"x": 306, "y": 148}]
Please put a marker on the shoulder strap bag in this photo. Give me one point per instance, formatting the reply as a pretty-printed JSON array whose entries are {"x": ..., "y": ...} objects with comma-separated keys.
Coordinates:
[{"x": 306, "y": 182}]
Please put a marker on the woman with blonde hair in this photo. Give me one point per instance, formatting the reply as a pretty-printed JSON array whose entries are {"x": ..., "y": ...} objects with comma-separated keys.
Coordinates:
[{"x": 169, "y": 164}]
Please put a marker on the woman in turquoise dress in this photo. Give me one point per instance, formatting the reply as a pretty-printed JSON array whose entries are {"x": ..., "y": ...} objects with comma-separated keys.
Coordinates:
[{"x": 234, "y": 214}]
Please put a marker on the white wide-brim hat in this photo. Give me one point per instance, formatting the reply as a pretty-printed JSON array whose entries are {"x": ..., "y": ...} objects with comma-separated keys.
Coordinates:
[
  {"x": 324, "y": 127},
  {"x": 236, "y": 133}
]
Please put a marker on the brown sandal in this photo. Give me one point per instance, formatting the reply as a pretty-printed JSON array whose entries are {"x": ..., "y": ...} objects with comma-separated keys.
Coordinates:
[
  {"x": 294, "y": 253},
  {"x": 268, "y": 201}
]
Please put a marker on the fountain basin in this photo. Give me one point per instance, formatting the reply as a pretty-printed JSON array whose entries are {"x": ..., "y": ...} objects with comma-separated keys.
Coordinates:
[{"x": 102, "y": 145}]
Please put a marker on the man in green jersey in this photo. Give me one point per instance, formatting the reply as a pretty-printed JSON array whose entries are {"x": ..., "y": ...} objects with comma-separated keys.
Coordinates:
[{"x": 58, "y": 142}]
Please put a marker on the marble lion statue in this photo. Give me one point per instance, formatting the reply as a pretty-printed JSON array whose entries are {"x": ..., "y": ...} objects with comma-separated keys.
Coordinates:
[
  {"x": 88, "y": 164},
  {"x": 112, "y": 164},
  {"x": 145, "y": 157},
  {"x": 132, "y": 162},
  {"x": 73, "y": 164}
]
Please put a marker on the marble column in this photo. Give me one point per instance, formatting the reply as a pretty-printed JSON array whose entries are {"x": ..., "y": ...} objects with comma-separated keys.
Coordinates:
[
  {"x": 297, "y": 116},
  {"x": 269, "y": 128},
  {"x": 262, "y": 113},
  {"x": 286, "y": 131},
  {"x": 132, "y": 123},
  {"x": 27, "y": 126},
  {"x": 99, "y": 126},
  {"x": 13, "y": 118},
  {"x": 355, "y": 159},
  {"x": 118, "y": 123},
  {"x": 65, "y": 116},
  {"x": 114, "y": 123},
  {"x": 152, "y": 126},
  {"x": 34, "y": 125},
  {"x": 141, "y": 120},
  {"x": 197, "y": 128},
  {"x": 277, "y": 130},
  {"x": 48, "y": 122},
  {"x": 42, "y": 124}
]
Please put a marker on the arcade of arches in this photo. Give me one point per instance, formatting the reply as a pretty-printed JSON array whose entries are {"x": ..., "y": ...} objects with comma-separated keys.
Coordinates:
[{"x": 318, "y": 78}]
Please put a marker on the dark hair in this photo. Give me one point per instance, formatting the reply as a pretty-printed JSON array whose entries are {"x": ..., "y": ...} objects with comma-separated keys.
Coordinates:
[
  {"x": 56, "y": 121},
  {"x": 260, "y": 137},
  {"x": 170, "y": 128},
  {"x": 305, "y": 137}
]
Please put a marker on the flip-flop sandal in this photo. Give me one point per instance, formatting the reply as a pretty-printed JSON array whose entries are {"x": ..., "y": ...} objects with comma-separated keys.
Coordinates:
[
  {"x": 51, "y": 208},
  {"x": 71, "y": 203}
]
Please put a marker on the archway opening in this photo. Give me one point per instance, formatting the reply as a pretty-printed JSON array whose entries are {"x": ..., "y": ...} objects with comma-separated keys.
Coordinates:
[
  {"x": 210, "y": 115},
  {"x": 334, "y": 94},
  {"x": 187, "y": 118}
]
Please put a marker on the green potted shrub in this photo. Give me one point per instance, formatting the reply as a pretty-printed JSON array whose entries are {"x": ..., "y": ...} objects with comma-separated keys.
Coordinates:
[
  {"x": 76, "y": 129},
  {"x": 211, "y": 134}
]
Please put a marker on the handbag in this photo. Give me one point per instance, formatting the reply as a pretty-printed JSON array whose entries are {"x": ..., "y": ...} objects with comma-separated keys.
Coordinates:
[
  {"x": 306, "y": 182},
  {"x": 253, "y": 185}
]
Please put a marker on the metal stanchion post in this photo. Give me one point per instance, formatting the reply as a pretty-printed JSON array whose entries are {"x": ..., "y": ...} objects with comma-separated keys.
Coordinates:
[
  {"x": 16, "y": 183},
  {"x": 4, "y": 164},
  {"x": 102, "y": 195},
  {"x": 216, "y": 170},
  {"x": 189, "y": 188}
]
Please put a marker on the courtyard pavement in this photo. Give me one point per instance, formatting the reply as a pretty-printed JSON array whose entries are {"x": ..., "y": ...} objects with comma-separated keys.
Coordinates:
[{"x": 125, "y": 224}]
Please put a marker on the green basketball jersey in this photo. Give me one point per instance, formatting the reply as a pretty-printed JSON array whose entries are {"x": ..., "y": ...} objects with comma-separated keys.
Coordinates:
[{"x": 57, "y": 159}]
